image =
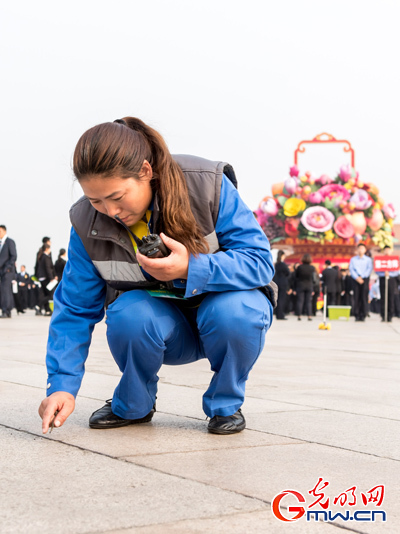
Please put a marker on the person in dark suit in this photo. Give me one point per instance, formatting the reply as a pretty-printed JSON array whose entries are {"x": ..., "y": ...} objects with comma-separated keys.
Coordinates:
[
  {"x": 45, "y": 241},
  {"x": 342, "y": 280},
  {"x": 8, "y": 257},
  {"x": 317, "y": 291},
  {"x": 392, "y": 288},
  {"x": 46, "y": 275},
  {"x": 304, "y": 286},
  {"x": 60, "y": 263},
  {"x": 24, "y": 285},
  {"x": 281, "y": 278},
  {"x": 291, "y": 300},
  {"x": 338, "y": 285},
  {"x": 329, "y": 283}
]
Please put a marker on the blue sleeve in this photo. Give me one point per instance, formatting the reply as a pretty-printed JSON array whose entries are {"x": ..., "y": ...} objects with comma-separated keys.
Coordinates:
[
  {"x": 78, "y": 306},
  {"x": 244, "y": 261},
  {"x": 353, "y": 273}
]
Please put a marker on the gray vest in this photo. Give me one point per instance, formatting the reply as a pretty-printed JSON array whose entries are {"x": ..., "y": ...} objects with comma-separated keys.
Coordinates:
[{"x": 108, "y": 243}]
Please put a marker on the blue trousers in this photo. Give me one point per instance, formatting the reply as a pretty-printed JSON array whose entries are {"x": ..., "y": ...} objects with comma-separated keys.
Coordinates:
[{"x": 144, "y": 332}]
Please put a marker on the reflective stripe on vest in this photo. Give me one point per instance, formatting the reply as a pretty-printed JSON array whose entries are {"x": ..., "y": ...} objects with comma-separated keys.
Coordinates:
[
  {"x": 212, "y": 241},
  {"x": 119, "y": 270}
]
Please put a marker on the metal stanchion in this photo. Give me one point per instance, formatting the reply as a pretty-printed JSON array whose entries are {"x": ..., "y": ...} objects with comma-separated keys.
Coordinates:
[{"x": 386, "y": 294}]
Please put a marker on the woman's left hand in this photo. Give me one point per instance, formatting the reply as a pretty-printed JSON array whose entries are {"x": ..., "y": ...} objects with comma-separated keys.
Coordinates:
[{"x": 176, "y": 265}]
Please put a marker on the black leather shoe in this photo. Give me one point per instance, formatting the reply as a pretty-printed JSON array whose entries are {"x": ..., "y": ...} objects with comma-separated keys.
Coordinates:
[
  {"x": 230, "y": 424},
  {"x": 105, "y": 418}
]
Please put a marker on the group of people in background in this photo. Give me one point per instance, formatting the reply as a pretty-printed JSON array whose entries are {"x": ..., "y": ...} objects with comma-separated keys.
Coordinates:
[
  {"x": 301, "y": 286},
  {"x": 22, "y": 291}
]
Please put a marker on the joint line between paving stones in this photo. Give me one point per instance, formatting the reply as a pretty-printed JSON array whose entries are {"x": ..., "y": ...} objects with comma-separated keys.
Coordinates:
[
  {"x": 327, "y": 445},
  {"x": 283, "y": 348},
  {"x": 313, "y": 408},
  {"x": 121, "y": 459},
  {"x": 264, "y": 501},
  {"x": 333, "y": 524},
  {"x": 298, "y": 442},
  {"x": 251, "y": 429},
  {"x": 240, "y": 512}
]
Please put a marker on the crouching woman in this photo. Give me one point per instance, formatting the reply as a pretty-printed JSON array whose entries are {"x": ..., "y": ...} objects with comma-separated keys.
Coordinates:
[{"x": 208, "y": 298}]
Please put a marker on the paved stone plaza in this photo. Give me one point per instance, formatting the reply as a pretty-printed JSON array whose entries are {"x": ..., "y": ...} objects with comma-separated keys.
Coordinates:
[{"x": 319, "y": 404}]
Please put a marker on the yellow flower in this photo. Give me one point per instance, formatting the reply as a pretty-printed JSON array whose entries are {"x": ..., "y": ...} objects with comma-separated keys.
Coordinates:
[
  {"x": 390, "y": 222},
  {"x": 383, "y": 239},
  {"x": 329, "y": 235},
  {"x": 347, "y": 186},
  {"x": 293, "y": 206}
]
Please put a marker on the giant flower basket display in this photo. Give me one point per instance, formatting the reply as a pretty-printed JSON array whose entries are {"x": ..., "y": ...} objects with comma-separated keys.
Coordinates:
[{"x": 323, "y": 215}]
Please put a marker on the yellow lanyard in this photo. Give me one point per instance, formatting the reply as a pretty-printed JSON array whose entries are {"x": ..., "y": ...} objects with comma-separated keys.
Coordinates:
[{"x": 140, "y": 229}]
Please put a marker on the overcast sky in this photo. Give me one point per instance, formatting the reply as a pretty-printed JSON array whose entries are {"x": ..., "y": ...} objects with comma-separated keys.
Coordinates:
[{"x": 238, "y": 81}]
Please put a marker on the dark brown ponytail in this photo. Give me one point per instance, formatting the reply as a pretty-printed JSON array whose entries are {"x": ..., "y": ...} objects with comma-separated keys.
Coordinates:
[{"x": 120, "y": 148}]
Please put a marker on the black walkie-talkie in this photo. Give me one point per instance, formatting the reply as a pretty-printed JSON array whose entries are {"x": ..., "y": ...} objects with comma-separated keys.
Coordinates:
[{"x": 151, "y": 245}]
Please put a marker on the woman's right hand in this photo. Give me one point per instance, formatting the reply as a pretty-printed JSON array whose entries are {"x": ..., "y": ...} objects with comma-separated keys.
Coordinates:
[{"x": 61, "y": 402}]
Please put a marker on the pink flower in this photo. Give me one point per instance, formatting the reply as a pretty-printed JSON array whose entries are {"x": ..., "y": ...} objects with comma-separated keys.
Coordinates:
[
  {"x": 336, "y": 192},
  {"x": 343, "y": 227},
  {"x": 261, "y": 217},
  {"x": 389, "y": 211},
  {"x": 361, "y": 200},
  {"x": 317, "y": 219},
  {"x": 269, "y": 207},
  {"x": 290, "y": 185},
  {"x": 316, "y": 198},
  {"x": 376, "y": 221},
  {"x": 294, "y": 171},
  {"x": 345, "y": 173},
  {"x": 324, "y": 179}
]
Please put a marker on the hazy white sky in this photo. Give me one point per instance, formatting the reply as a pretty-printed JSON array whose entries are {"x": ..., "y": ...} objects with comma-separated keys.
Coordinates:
[{"x": 238, "y": 81}]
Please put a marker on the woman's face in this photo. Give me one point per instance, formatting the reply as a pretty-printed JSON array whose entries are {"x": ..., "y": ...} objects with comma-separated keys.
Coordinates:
[{"x": 129, "y": 198}]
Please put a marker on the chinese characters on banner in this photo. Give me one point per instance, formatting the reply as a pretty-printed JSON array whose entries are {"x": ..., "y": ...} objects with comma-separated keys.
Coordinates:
[{"x": 386, "y": 263}]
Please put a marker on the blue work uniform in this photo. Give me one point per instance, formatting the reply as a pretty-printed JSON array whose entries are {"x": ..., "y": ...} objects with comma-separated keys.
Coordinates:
[{"x": 144, "y": 332}]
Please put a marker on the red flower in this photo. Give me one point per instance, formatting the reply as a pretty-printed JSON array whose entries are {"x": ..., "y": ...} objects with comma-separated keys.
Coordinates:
[{"x": 291, "y": 227}]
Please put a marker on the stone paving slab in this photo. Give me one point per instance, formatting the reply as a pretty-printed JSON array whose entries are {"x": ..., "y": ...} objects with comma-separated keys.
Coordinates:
[
  {"x": 319, "y": 404},
  {"x": 254, "y": 522},
  {"x": 359, "y": 433},
  {"x": 263, "y": 472},
  {"x": 50, "y": 487},
  {"x": 165, "y": 434},
  {"x": 380, "y": 404}
]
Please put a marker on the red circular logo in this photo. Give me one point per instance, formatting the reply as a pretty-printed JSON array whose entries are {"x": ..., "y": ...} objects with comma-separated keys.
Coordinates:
[{"x": 299, "y": 510}]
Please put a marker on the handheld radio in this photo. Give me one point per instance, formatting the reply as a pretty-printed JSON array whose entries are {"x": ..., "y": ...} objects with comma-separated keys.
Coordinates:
[{"x": 150, "y": 246}]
